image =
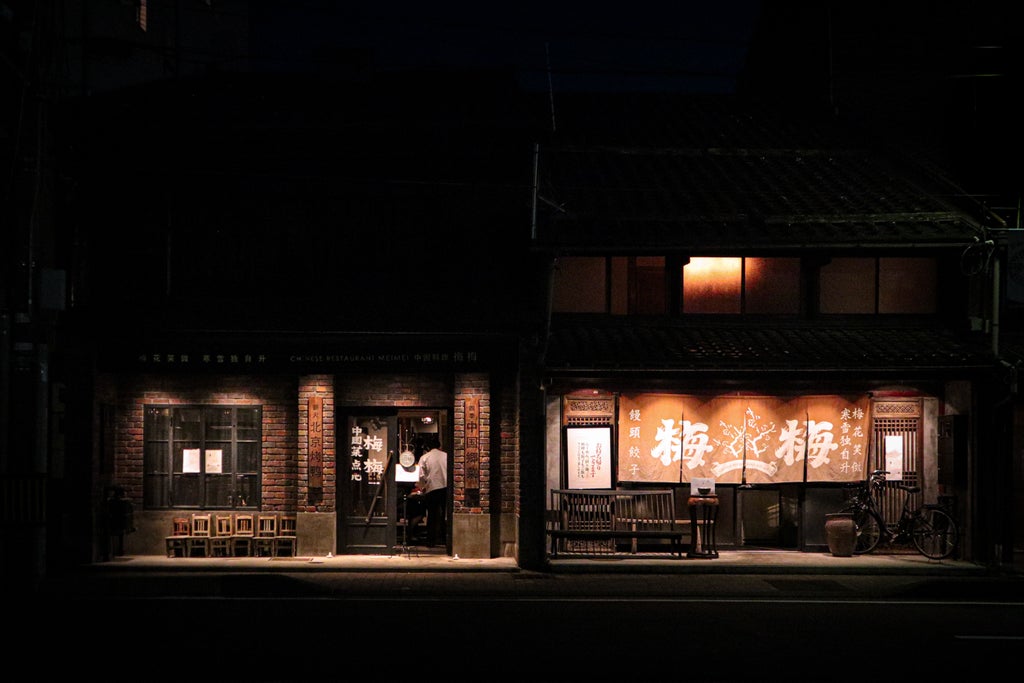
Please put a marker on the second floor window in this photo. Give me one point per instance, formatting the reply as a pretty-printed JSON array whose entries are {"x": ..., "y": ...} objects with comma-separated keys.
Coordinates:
[
  {"x": 745, "y": 285},
  {"x": 882, "y": 285},
  {"x": 202, "y": 457}
]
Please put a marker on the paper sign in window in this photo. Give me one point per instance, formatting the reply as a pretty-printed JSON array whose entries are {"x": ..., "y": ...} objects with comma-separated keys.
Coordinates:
[
  {"x": 589, "y": 457},
  {"x": 190, "y": 460},
  {"x": 214, "y": 461},
  {"x": 894, "y": 456}
]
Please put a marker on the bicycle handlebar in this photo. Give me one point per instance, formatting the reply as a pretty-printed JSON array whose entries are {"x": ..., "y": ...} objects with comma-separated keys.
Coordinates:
[{"x": 877, "y": 478}]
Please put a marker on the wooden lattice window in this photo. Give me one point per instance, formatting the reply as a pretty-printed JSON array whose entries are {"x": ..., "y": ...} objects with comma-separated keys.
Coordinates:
[
  {"x": 901, "y": 422},
  {"x": 589, "y": 409}
]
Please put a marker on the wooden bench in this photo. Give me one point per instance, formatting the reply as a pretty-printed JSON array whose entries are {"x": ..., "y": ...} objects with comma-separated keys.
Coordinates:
[{"x": 598, "y": 521}]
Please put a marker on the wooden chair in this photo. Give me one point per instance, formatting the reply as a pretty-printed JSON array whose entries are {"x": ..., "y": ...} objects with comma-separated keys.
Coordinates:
[
  {"x": 266, "y": 535},
  {"x": 220, "y": 542},
  {"x": 286, "y": 539},
  {"x": 177, "y": 542},
  {"x": 199, "y": 539},
  {"x": 245, "y": 532}
]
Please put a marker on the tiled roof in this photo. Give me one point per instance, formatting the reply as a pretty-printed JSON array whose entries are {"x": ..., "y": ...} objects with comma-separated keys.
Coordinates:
[
  {"x": 708, "y": 174},
  {"x": 605, "y": 344}
]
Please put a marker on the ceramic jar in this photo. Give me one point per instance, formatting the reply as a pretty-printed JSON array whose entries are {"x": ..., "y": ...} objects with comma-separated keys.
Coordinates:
[{"x": 841, "y": 533}]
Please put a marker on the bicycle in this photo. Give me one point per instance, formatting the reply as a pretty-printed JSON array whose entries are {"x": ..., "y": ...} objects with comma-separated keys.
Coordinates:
[{"x": 930, "y": 528}]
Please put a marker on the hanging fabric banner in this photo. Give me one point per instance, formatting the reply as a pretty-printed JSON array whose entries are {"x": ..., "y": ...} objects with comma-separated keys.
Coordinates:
[
  {"x": 836, "y": 435},
  {"x": 742, "y": 439}
]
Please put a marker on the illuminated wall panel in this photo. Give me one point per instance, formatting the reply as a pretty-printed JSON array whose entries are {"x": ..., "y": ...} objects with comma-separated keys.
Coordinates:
[{"x": 712, "y": 285}]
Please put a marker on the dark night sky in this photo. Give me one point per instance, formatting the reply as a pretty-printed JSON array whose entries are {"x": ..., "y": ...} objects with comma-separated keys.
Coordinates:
[
  {"x": 592, "y": 46},
  {"x": 918, "y": 71},
  {"x": 942, "y": 77}
]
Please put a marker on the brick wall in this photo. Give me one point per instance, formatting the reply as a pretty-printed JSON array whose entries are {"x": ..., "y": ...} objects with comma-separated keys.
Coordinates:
[
  {"x": 466, "y": 386},
  {"x": 508, "y": 462},
  {"x": 317, "y": 499},
  {"x": 285, "y": 419},
  {"x": 280, "y": 426},
  {"x": 392, "y": 390},
  {"x": 499, "y": 472}
]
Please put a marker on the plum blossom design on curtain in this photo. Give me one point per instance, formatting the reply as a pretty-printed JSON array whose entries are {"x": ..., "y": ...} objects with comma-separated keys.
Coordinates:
[{"x": 735, "y": 438}]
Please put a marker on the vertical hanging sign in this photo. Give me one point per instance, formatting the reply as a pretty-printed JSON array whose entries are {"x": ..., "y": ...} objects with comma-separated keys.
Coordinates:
[
  {"x": 472, "y": 496},
  {"x": 315, "y": 426}
]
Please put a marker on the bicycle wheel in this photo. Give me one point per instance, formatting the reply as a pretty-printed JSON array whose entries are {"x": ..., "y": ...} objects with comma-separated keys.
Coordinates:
[
  {"x": 935, "y": 533},
  {"x": 869, "y": 531}
]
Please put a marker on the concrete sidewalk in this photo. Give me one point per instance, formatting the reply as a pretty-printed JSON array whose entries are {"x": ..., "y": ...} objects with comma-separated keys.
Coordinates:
[
  {"x": 728, "y": 562},
  {"x": 739, "y": 574}
]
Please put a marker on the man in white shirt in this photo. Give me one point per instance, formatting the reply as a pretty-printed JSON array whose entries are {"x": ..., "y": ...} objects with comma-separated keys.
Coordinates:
[{"x": 433, "y": 482}]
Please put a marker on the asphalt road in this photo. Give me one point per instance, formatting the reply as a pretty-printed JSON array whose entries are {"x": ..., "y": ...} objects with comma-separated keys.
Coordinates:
[{"x": 336, "y": 626}]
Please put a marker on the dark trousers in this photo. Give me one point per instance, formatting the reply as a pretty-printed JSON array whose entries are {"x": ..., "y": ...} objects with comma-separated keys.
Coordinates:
[{"x": 435, "y": 502}]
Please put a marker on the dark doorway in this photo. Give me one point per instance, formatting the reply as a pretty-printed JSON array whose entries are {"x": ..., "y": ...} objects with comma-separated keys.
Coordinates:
[
  {"x": 380, "y": 510},
  {"x": 769, "y": 516}
]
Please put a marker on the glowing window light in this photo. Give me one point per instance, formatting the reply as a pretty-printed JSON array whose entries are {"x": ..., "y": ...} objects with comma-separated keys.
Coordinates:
[
  {"x": 713, "y": 268},
  {"x": 712, "y": 285}
]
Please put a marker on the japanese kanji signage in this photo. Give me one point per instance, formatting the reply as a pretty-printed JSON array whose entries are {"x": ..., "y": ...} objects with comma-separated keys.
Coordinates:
[
  {"x": 588, "y": 454},
  {"x": 736, "y": 439},
  {"x": 472, "y": 453},
  {"x": 315, "y": 425}
]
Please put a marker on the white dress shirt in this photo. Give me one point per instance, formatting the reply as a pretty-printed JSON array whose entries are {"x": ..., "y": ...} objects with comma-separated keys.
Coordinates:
[{"x": 433, "y": 470}]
